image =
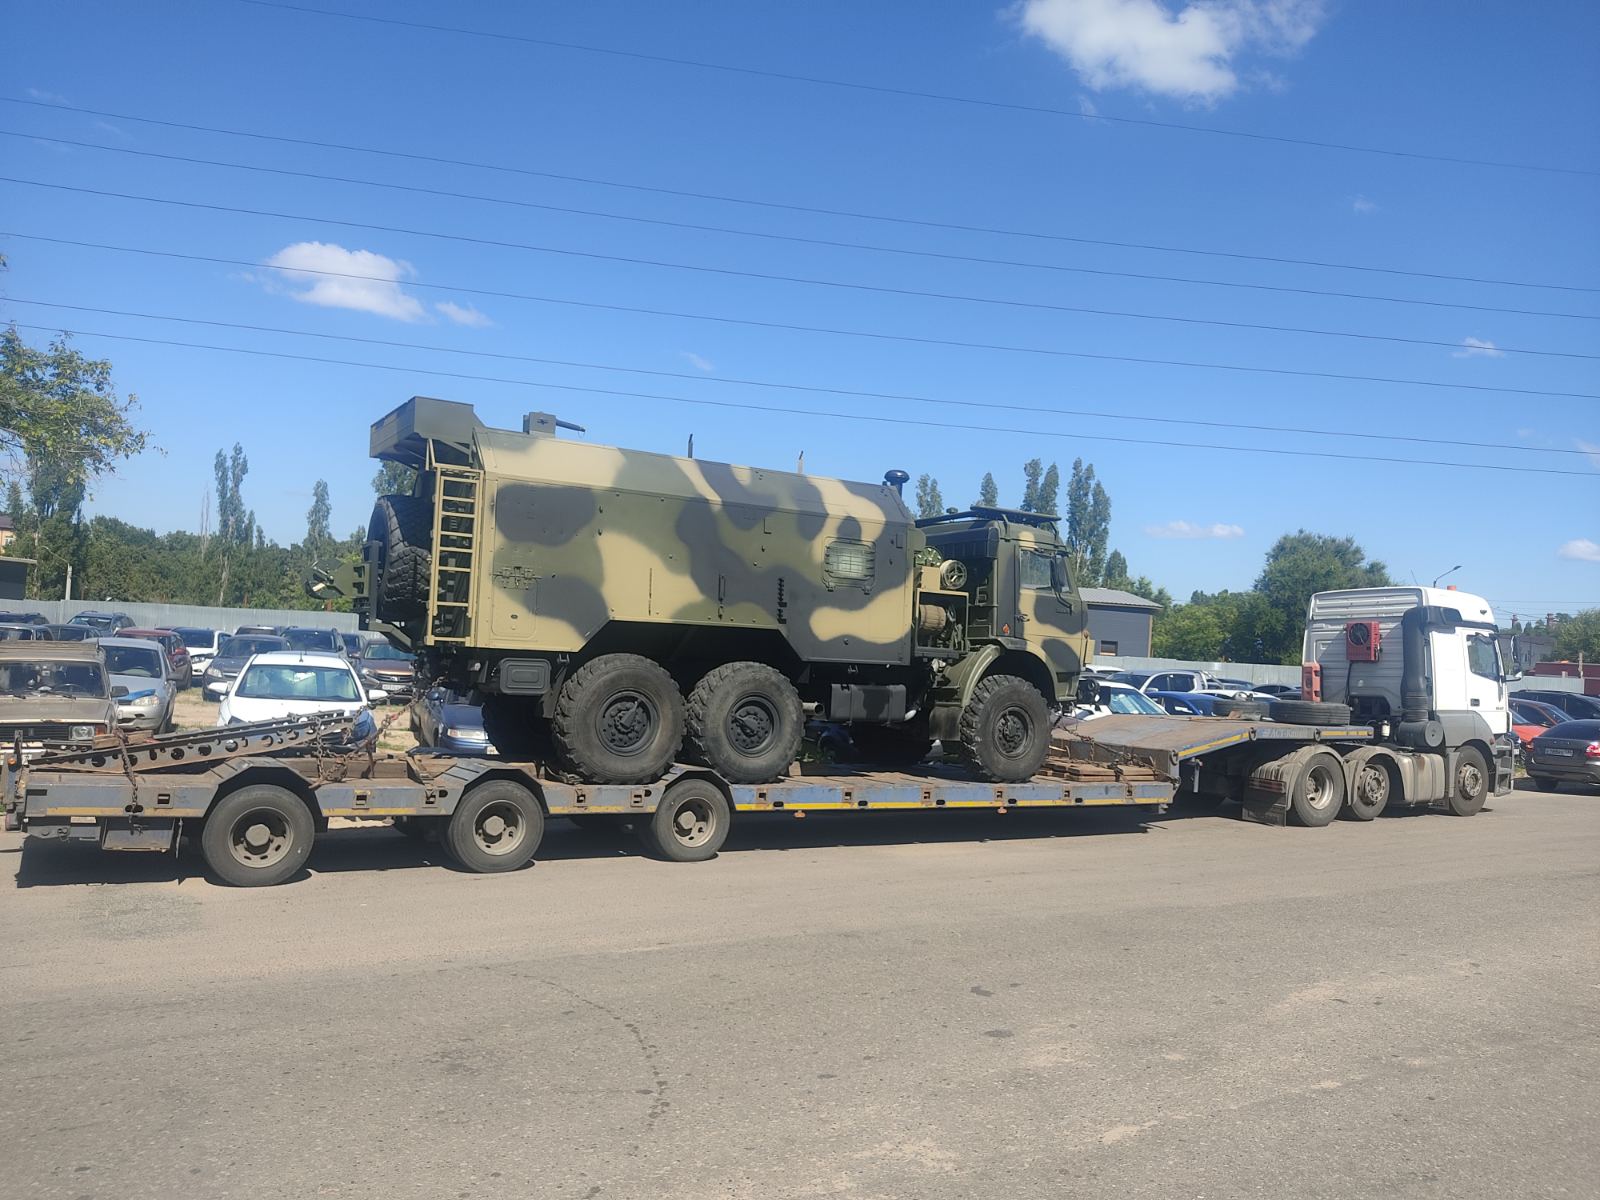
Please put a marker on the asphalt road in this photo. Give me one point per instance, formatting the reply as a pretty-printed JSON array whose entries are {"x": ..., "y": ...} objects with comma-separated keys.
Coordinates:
[{"x": 935, "y": 1005}]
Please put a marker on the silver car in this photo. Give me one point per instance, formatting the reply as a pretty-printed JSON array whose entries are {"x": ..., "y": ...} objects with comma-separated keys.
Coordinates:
[{"x": 141, "y": 666}]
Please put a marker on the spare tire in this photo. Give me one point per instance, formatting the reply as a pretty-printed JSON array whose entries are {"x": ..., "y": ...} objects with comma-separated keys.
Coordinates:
[
  {"x": 1309, "y": 712},
  {"x": 1238, "y": 708},
  {"x": 402, "y": 526}
]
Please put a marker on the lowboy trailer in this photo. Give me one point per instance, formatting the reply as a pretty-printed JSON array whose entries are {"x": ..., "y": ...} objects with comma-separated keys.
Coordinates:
[{"x": 255, "y": 797}]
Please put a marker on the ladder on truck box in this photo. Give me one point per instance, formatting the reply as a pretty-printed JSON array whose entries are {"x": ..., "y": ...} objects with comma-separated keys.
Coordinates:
[{"x": 457, "y": 512}]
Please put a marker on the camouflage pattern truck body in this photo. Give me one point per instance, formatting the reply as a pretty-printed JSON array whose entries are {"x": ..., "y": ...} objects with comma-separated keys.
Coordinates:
[{"x": 617, "y": 608}]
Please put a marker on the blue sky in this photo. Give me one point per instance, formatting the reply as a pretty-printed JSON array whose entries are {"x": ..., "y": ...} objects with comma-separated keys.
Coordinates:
[{"x": 1504, "y": 83}]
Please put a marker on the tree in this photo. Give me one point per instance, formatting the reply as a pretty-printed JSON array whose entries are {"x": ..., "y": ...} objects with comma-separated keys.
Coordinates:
[
  {"x": 929, "y": 502},
  {"x": 1032, "y": 472},
  {"x": 1048, "y": 489},
  {"x": 1088, "y": 523},
  {"x": 1116, "y": 572},
  {"x": 1099, "y": 530},
  {"x": 236, "y": 527},
  {"x": 1579, "y": 636},
  {"x": 988, "y": 491},
  {"x": 393, "y": 479},
  {"x": 1298, "y": 565},
  {"x": 319, "y": 537},
  {"x": 1192, "y": 631}
]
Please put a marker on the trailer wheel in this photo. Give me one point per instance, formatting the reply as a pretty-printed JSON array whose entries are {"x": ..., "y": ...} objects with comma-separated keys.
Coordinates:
[
  {"x": 1244, "y": 709},
  {"x": 690, "y": 824},
  {"x": 1005, "y": 729},
  {"x": 257, "y": 836},
  {"x": 496, "y": 827},
  {"x": 1470, "y": 787},
  {"x": 401, "y": 525},
  {"x": 1310, "y": 712},
  {"x": 1318, "y": 791},
  {"x": 619, "y": 719},
  {"x": 745, "y": 722},
  {"x": 1369, "y": 792}
]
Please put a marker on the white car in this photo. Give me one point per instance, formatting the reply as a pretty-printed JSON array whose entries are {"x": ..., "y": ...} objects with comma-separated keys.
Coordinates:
[
  {"x": 1116, "y": 699},
  {"x": 291, "y": 683}
]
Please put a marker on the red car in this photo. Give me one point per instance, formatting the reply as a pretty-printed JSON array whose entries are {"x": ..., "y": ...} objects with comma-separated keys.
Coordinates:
[
  {"x": 1530, "y": 718},
  {"x": 177, "y": 652}
]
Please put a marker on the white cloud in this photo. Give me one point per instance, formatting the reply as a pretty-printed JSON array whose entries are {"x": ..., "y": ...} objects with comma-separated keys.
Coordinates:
[
  {"x": 1190, "y": 52},
  {"x": 1589, "y": 448},
  {"x": 47, "y": 97},
  {"x": 1363, "y": 207},
  {"x": 463, "y": 314},
  {"x": 1188, "y": 530},
  {"x": 1473, "y": 347},
  {"x": 698, "y": 362},
  {"x": 376, "y": 290},
  {"x": 1581, "y": 549}
]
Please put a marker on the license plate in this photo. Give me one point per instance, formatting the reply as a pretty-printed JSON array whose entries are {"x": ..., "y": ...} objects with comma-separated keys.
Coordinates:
[{"x": 1556, "y": 751}]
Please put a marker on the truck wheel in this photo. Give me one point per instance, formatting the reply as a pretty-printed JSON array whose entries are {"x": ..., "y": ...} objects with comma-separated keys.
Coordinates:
[
  {"x": 402, "y": 525},
  {"x": 690, "y": 824},
  {"x": 1318, "y": 792},
  {"x": 1310, "y": 712},
  {"x": 745, "y": 722},
  {"x": 890, "y": 745},
  {"x": 1005, "y": 729},
  {"x": 619, "y": 719},
  {"x": 257, "y": 836},
  {"x": 1470, "y": 787},
  {"x": 1369, "y": 795},
  {"x": 496, "y": 827}
]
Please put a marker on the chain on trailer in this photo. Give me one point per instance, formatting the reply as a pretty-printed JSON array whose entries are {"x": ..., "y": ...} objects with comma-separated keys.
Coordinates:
[{"x": 328, "y": 737}]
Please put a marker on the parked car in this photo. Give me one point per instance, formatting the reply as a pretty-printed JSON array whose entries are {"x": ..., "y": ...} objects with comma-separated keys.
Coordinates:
[
  {"x": 142, "y": 668},
  {"x": 1530, "y": 718},
  {"x": 1568, "y": 753},
  {"x": 105, "y": 622},
  {"x": 318, "y": 640},
  {"x": 1187, "y": 704},
  {"x": 23, "y": 618},
  {"x": 294, "y": 683},
  {"x": 25, "y": 633},
  {"x": 1113, "y": 698},
  {"x": 259, "y": 630},
  {"x": 1167, "y": 681},
  {"x": 382, "y": 666},
  {"x": 177, "y": 652},
  {"x": 1281, "y": 690},
  {"x": 445, "y": 722},
  {"x": 1578, "y": 707},
  {"x": 69, "y": 633},
  {"x": 355, "y": 643},
  {"x": 232, "y": 653},
  {"x": 201, "y": 645},
  {"x": 53, "y": 692}
]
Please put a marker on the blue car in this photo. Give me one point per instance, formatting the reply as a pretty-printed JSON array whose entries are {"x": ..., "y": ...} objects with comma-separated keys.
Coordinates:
[
  {"x": 1187, "y": 704},
  {"x": 446, "y": 723}
]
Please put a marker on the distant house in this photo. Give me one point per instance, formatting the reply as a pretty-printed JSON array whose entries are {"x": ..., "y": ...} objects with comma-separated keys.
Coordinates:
[
  {"x": 1119, "y": 622},
  {"x": 8, "y": 531}
]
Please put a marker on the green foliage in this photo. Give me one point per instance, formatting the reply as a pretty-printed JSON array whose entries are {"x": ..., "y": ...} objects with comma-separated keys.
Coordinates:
[
  {"x": 1032, "y": 474},
  {"x": 929, "y": 502},
  {"x": 1048, "y": 488},
  {"x": 393, "y": 479},
  {"x": 1300, "y": 564},
  {"x": 1088, "y": 524},
  {"x": 319, "y": 538},
  {"x": 1579, "y": 635},
  {"x": 1116, "y": 572},
  {"x": 988, "y": 491}
]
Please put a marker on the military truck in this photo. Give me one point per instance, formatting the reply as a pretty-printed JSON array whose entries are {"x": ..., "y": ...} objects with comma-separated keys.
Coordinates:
[{"x": 616, "y": 610}]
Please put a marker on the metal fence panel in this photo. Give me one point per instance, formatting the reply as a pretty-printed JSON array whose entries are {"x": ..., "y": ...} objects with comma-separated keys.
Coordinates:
[{"x": 165, "y": 616}]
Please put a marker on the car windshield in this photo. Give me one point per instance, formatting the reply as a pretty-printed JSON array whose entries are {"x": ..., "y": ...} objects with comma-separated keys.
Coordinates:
[
  {"x": 383, "y": 652},
  {"x": 39, "y": 678},
  {"x": 312, "y": 639},
  {"x": 16, "y": 633},
  {"x": 244, "y": 647},
  {"x": 1129, "y": 704},
  {"x": 96, "y": 622},
  {"x": 71, "y": 633},
  {"x": 192, "y": 638},
  {"x": 133, "y": 660},
  {"x": 297, "y": 681}
]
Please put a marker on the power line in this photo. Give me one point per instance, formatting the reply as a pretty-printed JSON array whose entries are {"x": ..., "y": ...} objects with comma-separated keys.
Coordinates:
[
  {"x": 771, "y": 277},
  {"x": 915, "y": 94},
  {"x": 792, "y": 387},
  {"x": 911, "y": 339},
  {"x": 782, "y": 206},
  {"x": 797, "y": 239},
  {"x": 842, "y": 416}
]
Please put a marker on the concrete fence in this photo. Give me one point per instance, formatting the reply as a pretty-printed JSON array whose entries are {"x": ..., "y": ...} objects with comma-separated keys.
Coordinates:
[{"x": 165, "y": 616}]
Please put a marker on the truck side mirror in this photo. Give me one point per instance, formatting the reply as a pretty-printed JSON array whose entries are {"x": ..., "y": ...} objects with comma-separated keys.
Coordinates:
[
  {"x": 1058, "y": 575},
  {"x": 1088, "y": 689}
]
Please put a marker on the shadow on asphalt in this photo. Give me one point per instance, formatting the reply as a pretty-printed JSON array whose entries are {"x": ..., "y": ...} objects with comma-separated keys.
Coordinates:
[{"x": 57, "y": 864}]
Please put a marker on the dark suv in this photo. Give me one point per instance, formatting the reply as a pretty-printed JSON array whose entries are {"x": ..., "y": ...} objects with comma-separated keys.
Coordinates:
[{"x": 1577, "y": 706}]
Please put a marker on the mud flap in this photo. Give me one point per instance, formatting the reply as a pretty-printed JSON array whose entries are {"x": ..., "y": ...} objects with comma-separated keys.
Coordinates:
[{"x": 1504, "y": 769}]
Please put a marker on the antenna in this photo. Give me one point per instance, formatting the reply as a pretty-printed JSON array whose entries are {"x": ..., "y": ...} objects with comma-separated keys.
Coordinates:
[
  {"x": 690, "y": 452},
  {"x": 1448, "y": 573}
]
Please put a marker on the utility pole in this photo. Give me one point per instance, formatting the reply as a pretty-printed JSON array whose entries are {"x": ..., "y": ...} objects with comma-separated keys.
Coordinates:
[{"x": 67, "y": 595}]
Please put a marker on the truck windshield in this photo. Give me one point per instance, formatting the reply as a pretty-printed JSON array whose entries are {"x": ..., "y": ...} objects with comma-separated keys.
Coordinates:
[
  {"x": 291, "y": 681},
  {"x": 29, "y": 678}
]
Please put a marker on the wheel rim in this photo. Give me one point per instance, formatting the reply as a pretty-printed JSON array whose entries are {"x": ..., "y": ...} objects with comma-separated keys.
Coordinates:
[
  {"x": 1319, "y": 788},
  {"x": 1469, "y": 781},
  {"x": 753, "y": 725},
  {"x": 627, "y": 722},
  {"x": 260, "y": 838},
  {"x": 1013, "y": 731},
  {"x": 1372, "y": 787},
  {"x": 694, "y": 821},
  {"x": 499, "y": 828}
]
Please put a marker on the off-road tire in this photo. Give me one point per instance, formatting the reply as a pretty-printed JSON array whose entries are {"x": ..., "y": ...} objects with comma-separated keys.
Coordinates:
[
  {"x": 402, "y": 526},
  {"x": 1310, "y": 712},
  {"x": 618, "y": 719},
  {"x": 890, "y": 745},
  {"x": 1005, "y": 729},
  {"x": 496, "y": 827},
  {"x": 690, "y": 824},
  {"x": 1469, "y": 782},
  {"x": 744, "y": 721},
  {"x": 1238, "y": 708},
  {"x": 1317, "y": 793},
  {"x": 257, "y": 836}
]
